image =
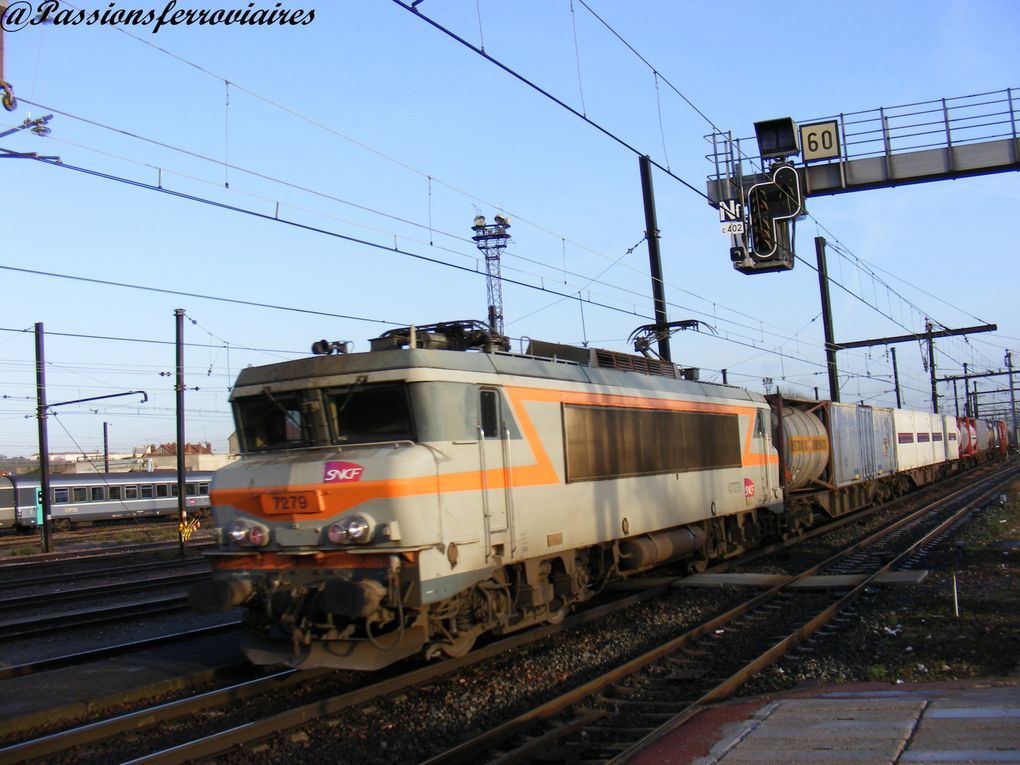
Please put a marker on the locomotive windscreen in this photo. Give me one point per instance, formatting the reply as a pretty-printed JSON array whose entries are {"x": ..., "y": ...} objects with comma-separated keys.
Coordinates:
[
  {"x": 612, "y": 443},
  {"x": 378, "y": 412},
  {"x": 356, "y": 414},
  {"x": 271, "y": 421}
]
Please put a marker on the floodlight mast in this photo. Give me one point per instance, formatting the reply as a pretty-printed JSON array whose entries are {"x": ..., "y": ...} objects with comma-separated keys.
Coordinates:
[{"x": 491, "y": 239}]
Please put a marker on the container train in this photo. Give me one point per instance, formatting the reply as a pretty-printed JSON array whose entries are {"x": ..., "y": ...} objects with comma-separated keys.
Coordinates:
[
  {"x": 411, "y": 498},
  {"x": 87, "y": 498}
]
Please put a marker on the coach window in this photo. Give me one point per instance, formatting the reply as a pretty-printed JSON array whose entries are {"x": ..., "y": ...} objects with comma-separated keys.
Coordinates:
[
  {"x": 80, "y": 494},
  {"x": 203, "y": 488},
  {"x": 115, "y": 492},
  {"x": 162, "y": 490},
  {"x": 61, "y": 496},
  {"x": 130, "y": 492},
  {"x": 147, "y": 491},
  {"x": 191, "y": 489},
  {"x": 490, "y": 413},
  {"x": 98, "y": 493}
]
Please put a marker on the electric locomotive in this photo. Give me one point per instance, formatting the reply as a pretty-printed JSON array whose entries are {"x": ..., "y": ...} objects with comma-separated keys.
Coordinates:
[{"x": 409, "y": 499}]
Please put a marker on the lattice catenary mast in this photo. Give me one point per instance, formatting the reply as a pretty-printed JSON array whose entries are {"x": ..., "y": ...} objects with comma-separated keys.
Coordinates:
[{"x": 491, "y": 239}]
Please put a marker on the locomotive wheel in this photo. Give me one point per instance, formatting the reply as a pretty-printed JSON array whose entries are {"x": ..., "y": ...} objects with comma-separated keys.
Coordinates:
[
  {"x": 557, "y": 616},
  {"x": 460, "y": 645}
]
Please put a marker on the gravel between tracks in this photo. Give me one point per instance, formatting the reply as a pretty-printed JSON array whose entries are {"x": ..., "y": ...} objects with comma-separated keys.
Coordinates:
[{"x": 909, "y": 634}]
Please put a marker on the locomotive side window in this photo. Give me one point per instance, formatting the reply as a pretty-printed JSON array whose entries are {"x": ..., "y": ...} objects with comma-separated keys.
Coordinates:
[
  {"x": 271, "y": 421},
  {"x": 489, "y": 413},
  {"x": 378, "y": 412},
  {"x": 613, "y": 443}
]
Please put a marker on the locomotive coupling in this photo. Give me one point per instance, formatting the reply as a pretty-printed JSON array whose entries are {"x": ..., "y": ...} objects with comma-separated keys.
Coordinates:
[
  {"x": 219, "y": 595},
  {"x": 352, "y": 598}
]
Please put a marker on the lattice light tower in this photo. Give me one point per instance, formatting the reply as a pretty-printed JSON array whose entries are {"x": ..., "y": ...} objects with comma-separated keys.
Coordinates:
[{"x": 491, "y": 239}]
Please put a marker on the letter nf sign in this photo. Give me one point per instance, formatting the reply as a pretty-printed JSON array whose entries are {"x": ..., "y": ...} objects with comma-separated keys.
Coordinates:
[{"x": 729, "y": 210}]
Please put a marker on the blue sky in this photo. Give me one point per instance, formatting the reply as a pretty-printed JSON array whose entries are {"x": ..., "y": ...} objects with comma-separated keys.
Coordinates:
[{"x": 369, "y": 125}]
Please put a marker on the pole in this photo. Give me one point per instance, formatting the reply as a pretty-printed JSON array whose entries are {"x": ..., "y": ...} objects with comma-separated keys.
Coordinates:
[
  {"x": 896, "y": 379},
  {"x": 1012, "y": 395},
  {"x": 106, "y": 447},
  {"x": 182, "y": 508},
  {"x": 654, "y": 257},
  {"x": 966, "y": 391},
  {"x": 724, "y": 381},
  {"x": 830, "y": 341},
  {"x": 931, "y": 369},
  {"x": 956, "y": 398},
  {"x": 44, "y": 446}
]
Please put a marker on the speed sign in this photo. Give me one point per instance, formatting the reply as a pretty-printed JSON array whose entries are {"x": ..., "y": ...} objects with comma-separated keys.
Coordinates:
[{"x": 819, "y": 140}]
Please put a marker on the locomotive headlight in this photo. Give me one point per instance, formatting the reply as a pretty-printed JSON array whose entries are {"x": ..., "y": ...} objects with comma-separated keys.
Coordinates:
[
  {"x": 258, "y": 536},
  {"x": 239, "y": 532},
  {"x": 337, "y": 533},
  {"x": 249, "y": 534},
  {"x": 359, "y": 529}
]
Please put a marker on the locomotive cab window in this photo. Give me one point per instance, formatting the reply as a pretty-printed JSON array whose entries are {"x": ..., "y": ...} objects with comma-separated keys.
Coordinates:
[
  {"x": 271, "y": 421},
  {"x": 368, "y": 413}
]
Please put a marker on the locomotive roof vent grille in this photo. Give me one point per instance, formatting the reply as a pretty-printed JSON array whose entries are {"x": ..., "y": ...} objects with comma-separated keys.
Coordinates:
[
  {"x": 466, "y": 335},
  {"x": 600, "y": 357}
]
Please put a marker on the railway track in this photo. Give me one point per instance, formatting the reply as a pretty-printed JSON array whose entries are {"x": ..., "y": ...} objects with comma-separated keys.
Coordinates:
[
  {"x": 99, "y": 654},
  {"x": 619, "y": 711},
  {"x": 37, "y": 602}
]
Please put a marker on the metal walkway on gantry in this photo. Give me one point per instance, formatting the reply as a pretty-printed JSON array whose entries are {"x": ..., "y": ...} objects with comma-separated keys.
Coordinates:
[{"x": 893, "y": 146}]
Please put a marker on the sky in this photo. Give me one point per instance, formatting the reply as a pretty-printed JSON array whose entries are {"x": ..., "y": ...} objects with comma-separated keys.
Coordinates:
[{"x": 288, "y": 183}]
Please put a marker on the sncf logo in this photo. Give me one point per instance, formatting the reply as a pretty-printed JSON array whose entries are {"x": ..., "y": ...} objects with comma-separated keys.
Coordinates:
[
  {"x": 339, "y": 472},
  {"x": 748, "y": 488}
]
